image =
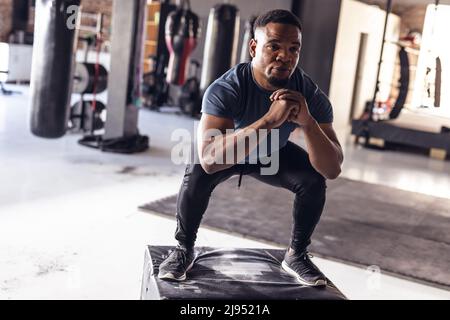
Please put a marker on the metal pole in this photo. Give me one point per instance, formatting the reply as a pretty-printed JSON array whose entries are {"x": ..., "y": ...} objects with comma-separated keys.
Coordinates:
[{"x": 380, "y": 61}]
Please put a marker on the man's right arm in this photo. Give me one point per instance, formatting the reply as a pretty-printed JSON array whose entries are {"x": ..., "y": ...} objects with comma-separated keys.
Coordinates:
[{"x": 214, "y": 143}]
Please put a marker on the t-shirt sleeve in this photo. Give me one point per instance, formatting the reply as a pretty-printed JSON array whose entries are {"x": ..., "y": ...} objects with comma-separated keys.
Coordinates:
[
  {"x": 318, "y": 102},
  {"x": 219, "y": 100}
]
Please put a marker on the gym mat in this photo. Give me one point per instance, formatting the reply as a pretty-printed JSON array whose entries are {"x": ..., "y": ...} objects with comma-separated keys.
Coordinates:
[{"x": 231, "y": 274}]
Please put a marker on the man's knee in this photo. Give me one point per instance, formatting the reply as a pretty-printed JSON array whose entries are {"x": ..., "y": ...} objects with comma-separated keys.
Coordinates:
[
  {"x": 311, "y": 183},
  {"x": 196, "y": 179}
]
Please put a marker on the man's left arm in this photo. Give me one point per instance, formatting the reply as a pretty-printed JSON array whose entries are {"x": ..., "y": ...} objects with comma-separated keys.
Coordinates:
[{"x": 324, "y": 149}]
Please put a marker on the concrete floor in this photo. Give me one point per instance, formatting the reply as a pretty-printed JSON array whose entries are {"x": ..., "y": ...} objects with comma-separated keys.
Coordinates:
[{"x": 70, "y": 227}]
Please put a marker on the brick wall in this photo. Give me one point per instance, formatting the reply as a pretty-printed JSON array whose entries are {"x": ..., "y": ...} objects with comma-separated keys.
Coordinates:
[
  {"x": 93, "y": 6},
  {"x": 100, "y": 6},
  {"x": 412, "y": 16},
  {"x": 5, "y": 18}
]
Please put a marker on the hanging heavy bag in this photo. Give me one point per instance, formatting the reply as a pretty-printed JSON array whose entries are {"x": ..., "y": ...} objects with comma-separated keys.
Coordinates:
[
  {"x": 52, "y": 67},
  {"x": 190, "y": 98},
  {"x": 403, "y": 88},
  {"x": 181, "y": 30},
  {"x": 437, "y": 83},
  {"x": 248, "y": 35},
  {"x": 221, "y": 43}
]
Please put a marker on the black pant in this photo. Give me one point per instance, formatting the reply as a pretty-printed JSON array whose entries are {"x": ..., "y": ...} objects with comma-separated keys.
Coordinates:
[{"x": 295, "y": 174}]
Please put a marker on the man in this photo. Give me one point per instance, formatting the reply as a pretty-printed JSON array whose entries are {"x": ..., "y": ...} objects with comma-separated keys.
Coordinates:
[{"x": 268, "y": 93}]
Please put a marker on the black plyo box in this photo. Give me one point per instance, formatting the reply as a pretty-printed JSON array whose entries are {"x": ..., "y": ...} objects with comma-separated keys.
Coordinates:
[{"x": 230, "y": 274}]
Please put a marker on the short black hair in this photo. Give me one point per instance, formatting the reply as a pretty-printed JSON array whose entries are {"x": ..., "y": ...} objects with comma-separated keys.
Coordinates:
[{"x": 277, "y": 16}]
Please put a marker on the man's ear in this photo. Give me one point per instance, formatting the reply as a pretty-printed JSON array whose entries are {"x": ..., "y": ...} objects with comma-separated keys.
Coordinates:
[{"x": 252, "y": 48}]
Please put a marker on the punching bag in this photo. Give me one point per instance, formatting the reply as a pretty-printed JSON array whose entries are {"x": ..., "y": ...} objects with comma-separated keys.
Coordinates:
[
  {"x": 221, "y": 43},
  {"x": 20, "y": 15},
  {"x": 51, "y": 71},
  {"x": 403, "y": 88},
  {"x": 248, "y": 35},
  {"x": 437, "y": 83},
  {"x": 182, "y": 29}
]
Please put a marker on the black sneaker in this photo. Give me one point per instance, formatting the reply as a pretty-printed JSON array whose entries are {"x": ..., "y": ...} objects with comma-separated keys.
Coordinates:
[
  {"x": 179, "y": 261},
  {"x": 300, "y": 266}
]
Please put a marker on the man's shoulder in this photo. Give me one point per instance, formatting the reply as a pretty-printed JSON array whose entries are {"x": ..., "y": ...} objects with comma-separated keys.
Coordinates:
[
  {"x": 233, "y": 79},
  {"x": 223, "y": 96},
  {"x": 236, "y": 74}
]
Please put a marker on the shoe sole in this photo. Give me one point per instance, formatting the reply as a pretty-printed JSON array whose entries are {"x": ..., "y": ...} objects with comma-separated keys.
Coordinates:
[
  {"x": 171, "y": 276},
  {"x": 318, "y": 283}
]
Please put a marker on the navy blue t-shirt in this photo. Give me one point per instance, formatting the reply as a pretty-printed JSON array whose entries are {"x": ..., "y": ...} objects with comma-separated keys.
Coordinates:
[{"x": 236, "y": 95}]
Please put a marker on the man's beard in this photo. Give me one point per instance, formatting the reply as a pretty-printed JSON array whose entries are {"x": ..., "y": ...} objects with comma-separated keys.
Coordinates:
[{"x": 277, "y": 82}]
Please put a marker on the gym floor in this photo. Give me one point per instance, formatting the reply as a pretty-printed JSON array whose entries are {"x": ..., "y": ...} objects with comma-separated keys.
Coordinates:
[{"x": 70, "y": 227}]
